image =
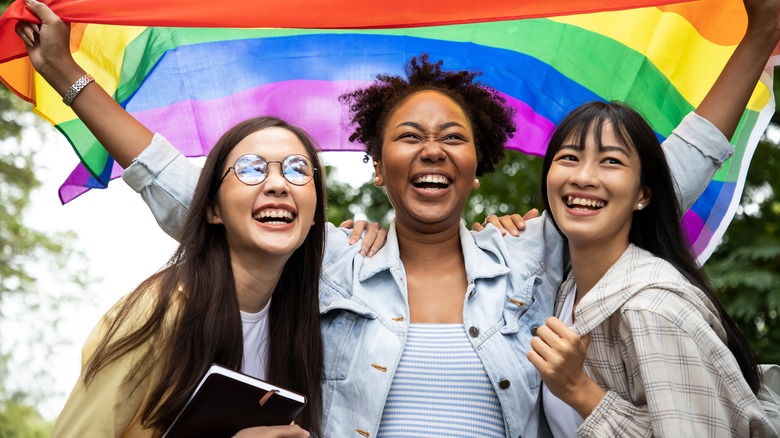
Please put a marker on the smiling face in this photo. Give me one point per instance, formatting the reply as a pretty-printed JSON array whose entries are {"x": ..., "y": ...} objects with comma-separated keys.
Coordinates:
[
  {"x": 429, "y": 161},
  {"x": 270, "y": 218},
  {"x": 594, "y": 188}
]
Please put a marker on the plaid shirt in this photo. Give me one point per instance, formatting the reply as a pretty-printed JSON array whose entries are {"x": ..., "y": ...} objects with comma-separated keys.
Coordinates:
[{"x": 657, "y": 348}]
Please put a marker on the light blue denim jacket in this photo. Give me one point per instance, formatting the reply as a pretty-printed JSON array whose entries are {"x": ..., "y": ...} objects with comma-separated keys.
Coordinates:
[
  {"x": 365, "y": 317},
  {"x": 512, "y": 284}
]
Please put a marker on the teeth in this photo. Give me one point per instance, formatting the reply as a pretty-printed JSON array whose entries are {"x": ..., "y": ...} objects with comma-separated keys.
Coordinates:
[
  {"x": 592, "y": 203},
  {"x": 275, "y": 213},
  {"x": 435, "y": 179}
]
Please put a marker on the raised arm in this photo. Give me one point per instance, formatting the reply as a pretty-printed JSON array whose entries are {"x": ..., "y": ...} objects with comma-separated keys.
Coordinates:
[
  {"x": 725, "y": 102},
  {"x": 697, "y": 148},
  {"x": 48, "y": 47}
]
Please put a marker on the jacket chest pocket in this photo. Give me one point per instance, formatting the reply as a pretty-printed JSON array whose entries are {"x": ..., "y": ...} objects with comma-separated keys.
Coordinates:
[{"x": 341, "y": 333}]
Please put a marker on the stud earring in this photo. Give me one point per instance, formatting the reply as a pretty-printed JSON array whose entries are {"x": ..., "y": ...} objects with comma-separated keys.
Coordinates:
[
  {"x": 476, "y": 181},
  {"x": 376, "y": 180},
  {"x": 640, "y": 206}
]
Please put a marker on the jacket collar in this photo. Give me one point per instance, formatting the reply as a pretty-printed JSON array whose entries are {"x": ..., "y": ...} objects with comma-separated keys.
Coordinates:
[
  {"x": 635, "y": 271},
  {"x": 479, "y": 264}
]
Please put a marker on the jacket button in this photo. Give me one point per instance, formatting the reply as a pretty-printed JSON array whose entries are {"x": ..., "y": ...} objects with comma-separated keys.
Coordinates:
[
  {"x": 473, "y": 332},
  {"x": 533, "y": 330},
  {"x": 504, "y": 384}
]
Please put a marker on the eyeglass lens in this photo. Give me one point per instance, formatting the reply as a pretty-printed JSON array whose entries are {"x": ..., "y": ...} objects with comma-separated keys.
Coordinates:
[{"x": 252, "y": 169}]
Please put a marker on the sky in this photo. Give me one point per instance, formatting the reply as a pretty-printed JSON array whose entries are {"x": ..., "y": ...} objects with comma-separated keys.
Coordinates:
[{"x": 123, "y": 245}]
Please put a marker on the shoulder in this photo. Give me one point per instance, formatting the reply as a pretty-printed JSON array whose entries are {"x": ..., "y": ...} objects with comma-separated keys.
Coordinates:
[
  {"x": 337, "y": 245},
  {"x": 666, "y": 308},
  {"x": 131, "y": 312},
  {"x": 646, "y": 288}
]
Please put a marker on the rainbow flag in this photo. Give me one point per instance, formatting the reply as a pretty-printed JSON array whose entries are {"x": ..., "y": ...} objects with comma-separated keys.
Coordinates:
[{"x": 193, "y": 83}]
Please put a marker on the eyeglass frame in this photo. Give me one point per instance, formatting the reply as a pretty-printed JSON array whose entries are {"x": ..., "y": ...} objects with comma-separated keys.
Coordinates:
[{"x": 281, "y": 170}]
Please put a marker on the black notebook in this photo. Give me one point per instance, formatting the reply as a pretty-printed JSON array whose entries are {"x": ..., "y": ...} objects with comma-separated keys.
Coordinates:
[{"x": 226, "y": 401}]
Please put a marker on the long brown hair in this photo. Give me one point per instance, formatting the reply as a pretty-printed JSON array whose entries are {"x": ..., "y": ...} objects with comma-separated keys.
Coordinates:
[{"x": 193, "y": 319}]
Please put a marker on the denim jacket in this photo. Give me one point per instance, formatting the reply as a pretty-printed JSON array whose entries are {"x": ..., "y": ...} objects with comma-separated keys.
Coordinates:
[
  {"x": 512, "y": 282},
  {"x": 365, "y": 317}
]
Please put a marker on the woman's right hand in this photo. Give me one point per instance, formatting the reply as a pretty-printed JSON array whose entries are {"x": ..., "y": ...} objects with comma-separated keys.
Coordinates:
[
  {"x": 48, "y": 43},
  {"x": 291, "y": 431}
]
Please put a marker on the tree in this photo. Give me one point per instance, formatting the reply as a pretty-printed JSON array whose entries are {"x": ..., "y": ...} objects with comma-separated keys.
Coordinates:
[
  {"x": 745, "y": 268},
  {"x": 27, "y": 254}
]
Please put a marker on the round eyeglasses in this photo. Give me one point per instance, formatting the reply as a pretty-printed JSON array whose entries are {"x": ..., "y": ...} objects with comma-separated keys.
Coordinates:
[{"x": 252, "y": 169}]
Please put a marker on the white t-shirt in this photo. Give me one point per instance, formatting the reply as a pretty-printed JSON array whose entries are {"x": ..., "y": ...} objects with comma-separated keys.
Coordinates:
[
  {"x": 562, "y": 418},
  {"x": 255, "y": 327}
]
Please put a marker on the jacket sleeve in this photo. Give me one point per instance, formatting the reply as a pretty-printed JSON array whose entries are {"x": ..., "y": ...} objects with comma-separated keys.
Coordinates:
[
  {"x": 695, "y": 151},
  {"x": 687, "y": 382},
  {"x": 166, "y": 180}
]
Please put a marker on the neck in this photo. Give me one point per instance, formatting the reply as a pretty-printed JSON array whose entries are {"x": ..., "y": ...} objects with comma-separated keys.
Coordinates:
[
  {"x": 591, "y": 262},
  {"x": 420, "y": 249},
  {"x": 256, "y": 281}
]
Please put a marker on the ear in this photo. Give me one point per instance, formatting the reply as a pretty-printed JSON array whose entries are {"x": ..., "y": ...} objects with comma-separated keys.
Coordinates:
[
  {"x": 213, "y": 214},
  {"x": 645, "y": 196},
  {"x": 379, "y": 177}
]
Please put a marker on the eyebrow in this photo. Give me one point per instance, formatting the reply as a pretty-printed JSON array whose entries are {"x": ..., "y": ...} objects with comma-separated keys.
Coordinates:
[
  {"x": 602, "y": 148},
  {"x": 442, "y": 127}
]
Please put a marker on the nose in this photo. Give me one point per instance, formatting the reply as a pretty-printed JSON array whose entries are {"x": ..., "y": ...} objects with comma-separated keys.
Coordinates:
[
  {"x": 586, "y": 174},
  {"x": 275, "y": 184},
  {"x": 432, "y": 151}
]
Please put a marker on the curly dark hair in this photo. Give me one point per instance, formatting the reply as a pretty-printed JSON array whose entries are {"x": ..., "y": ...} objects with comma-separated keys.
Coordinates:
[{"x": 488, "y": 112}]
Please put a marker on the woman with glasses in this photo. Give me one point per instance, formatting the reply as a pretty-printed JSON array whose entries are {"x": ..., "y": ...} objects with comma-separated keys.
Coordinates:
[
  {"x": 237, "y": 290},
  {"x": 241, "y": 290}
]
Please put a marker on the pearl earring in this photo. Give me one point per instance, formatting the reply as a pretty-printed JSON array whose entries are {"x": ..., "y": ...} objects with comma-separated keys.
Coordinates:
[
  {"x": 640, "y": 206},
  {"x": 476, "y": 181},
  {"x": 376, "y": 180}
]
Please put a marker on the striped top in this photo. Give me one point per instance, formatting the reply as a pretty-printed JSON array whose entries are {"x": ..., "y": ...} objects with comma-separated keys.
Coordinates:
[{"x": 441, "y": 388}]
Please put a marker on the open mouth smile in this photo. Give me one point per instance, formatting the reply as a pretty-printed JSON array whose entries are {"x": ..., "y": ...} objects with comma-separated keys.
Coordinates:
[
  {"x": 274, "y": 216},
  {"x": 431, "y": 182},
  {"x": 583, "y": 203}
]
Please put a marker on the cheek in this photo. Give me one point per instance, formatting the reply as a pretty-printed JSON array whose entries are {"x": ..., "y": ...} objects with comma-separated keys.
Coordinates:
[
  {"x": 306, "y": 201},
  {"x": 553, "y": 182}
]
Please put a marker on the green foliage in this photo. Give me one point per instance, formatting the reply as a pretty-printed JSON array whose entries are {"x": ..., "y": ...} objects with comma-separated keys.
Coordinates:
[
  {"x": 515, "y": 187},
  {"x": 18, "y": 419},
  {"x": 745, "y": 269},
  {"x": 21, "y": 245},
  {"x": 26, "y": 256}
]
